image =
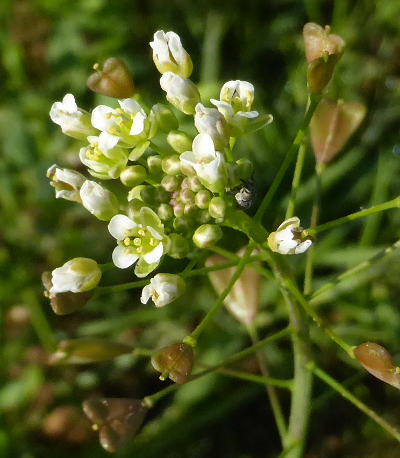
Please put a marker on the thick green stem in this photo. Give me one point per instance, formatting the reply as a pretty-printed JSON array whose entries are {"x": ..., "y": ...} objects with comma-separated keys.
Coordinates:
[{"x": 395, "y": 203}]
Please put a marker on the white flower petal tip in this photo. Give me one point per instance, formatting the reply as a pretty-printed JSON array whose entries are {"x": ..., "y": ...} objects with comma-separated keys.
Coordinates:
[
  {"x": 163, "y": 289},
  {"x": 77, "y": 276},
  {"x": 288, "y": 239}
]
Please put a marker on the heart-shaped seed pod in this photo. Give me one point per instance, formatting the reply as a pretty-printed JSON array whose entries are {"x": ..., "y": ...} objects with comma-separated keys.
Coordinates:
[
  {"x": 117, "y": 420},
  {"x": 175, "y": 362},
  {"x": 378, "y": 362},
  {"x": 114, "y": 80}
]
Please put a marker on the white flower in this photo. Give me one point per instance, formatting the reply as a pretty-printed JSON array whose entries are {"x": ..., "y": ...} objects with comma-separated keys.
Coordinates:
[
  {"x": 139, "y": 239},
  {"x": 182, "y": 93},
  {"x": 77, "y": 275},
  {"x": 208, "y": 164},
  {"x": 66, "y": 182},
  {"x": 104, "y": 159},
  {"x": 163, "y": 289},
  {"x": 169, "y": 54},
  {"x": 101, "y": 202},
  {"x": 287, "y": 238},
  {"x": 239, "y": 94},
  {"x": 127, "y": 123},
  {"x": 74, "y": 121},
  {"x": 210, "y": 121}
]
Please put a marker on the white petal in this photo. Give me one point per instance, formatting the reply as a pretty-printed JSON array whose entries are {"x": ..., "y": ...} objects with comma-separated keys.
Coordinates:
[
  {"x": 147, "y": 291},
  {"x": 122, "y": 259},
  {"x": 248, "y": 114},
  {"x": 154, "y": 233},
  {"x": 100, "y": 120},
  {"x": 118, "y": 226},
  {"x": 188, "y": 157},
  {"x": 130, "y": 106},
  {"x": 154, "y": 255},
  {"x": 69, "y": 105},
  {"x": 203, "y": 146},
  {"x": 107, "y": 141},
  {"x": 138, "y": 124},
  {"x": 303, "y": 246}
]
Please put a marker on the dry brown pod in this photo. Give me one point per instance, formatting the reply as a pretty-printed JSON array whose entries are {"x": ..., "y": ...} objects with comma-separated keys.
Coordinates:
[
  {"x": 378, "y": 362},
  {"x": 175, "y": 362},
  {"x": 114, "y": 80},
  {"x": 116, "y": 419},
  {"x": 332, "y": 125},
  {"x": 68, "y": 424}
]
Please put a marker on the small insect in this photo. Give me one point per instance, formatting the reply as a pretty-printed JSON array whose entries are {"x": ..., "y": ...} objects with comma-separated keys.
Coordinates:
[{"x": 246, "y": 195}]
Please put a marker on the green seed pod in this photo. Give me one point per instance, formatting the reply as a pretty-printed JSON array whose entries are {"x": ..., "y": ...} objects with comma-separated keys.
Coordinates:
[
  {"x": 133, "y": 175},
  {"x": 175, "y": 362},
  {"x": 179, "y": 141},
  {"x": 165, "y": 212},
  {"x": 154, "y": 164},
  {"x": 203, "y": 198},
  {"x": 217, "y": 207},
  {"x": 170, "y": 183},
  {"x": 171, "y": 165},
  {"x": 207, "y": 235},
  {"x": 86, "y": 350},
  {"x": 179, "y": 246}
]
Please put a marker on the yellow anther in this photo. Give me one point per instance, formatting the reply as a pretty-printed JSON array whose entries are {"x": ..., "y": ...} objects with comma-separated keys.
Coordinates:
[
  {"x": 108, "y": 115},
  {"x": 119, "y": 111},
  {"x": 137, "y": 241},
  {"x": 127, "y": 241},
  {"x": 139, "y": 249},
  {"x": 153, "y": 242},
  {"x": 119, "y": 120},
  {"x": 141, "y": 232}
]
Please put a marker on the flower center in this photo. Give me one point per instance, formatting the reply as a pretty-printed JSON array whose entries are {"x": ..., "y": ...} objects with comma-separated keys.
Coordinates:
[{"x": 139, "y": 240}]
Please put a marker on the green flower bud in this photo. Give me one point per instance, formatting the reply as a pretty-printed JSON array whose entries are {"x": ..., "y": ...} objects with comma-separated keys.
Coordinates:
[
  {"x": 171, "y": 165},
  {"x": 133, "y": 175},
  {"x": 187, "y": 169},
  {"x": 194, "y": 184},
  {"x": 175, "y": 362},
  {"x": 187, "y": 196},
  {"x": 203, "y": 217},
  {"x": 179, "y": 246},
  {"x": 100, "y": 202},
  {"x": 86, "y": 350},
  {"x": 113, "y": 81},
  {"x": 152, "y": 195},
  {"x": 207, "y": 235},
  {"x": 217, "y": 207},
  {"x": 134, "y": 207},
  {"x": 203, "y": 198},
  {"x": 117, "y": 420},
  {"x": 189, "y": 209},
  {"x": 179, "y": 141},
  {"x": 181, "y": 92},
  {"x": 170, "y": 183},
  {"x": 179, "y": 210},
  {"x": 165, "y": 212},
  {"x": 154, "y": 164},
  {"x": 163, "y": 117},
  {"x": 245, "y": 169},
  {"x": 182, "y": 224}
]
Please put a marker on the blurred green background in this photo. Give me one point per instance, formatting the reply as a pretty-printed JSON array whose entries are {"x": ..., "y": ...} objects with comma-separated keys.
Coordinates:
[{"x": 48, "y": 48}]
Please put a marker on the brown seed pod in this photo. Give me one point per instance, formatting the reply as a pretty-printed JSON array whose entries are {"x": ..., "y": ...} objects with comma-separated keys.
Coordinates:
[
  {"x": 116, "y": 419},
  {"x": 378, "y": 362},
  {"x": 175, "y": 362},
  {"x": 114, "y": 80}
]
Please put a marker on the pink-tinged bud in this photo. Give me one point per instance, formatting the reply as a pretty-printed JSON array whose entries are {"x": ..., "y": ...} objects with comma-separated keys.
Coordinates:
[
  {"x": 323, "y": 50},
  {"x": 113, "y": 81},
  {"x": 86, "y": 350},
  {"x": 332, "y": 125},
  {"x": 175, "y": 362},
  {"x": 117, "y": 420},
  {"x": 378, "y": 362},
  {"x": 243, "y": 299}
]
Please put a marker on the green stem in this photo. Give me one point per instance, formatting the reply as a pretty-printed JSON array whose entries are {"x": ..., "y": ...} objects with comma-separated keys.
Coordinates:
[
  {"x": 121, "y": 287},
  {"x": 355, "y": 401},
  {"x": 395, "y": 203},
  {"x": 269, "y": 382},
  {"x": 354, "y": 270},
  {"x": 107, "y": 266},
  {"x": 152, "y": 399},
  {"x": 313, "y": 102},
  {"x": 296, "y": 180},
  {"x": 239, "y": 269}
]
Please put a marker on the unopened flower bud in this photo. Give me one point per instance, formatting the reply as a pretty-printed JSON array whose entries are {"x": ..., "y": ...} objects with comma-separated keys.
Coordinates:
[
  {"x": 194, "y": 184},
  {"x": 245, "y": 169},
  {"x": 114, "y": 80},
  {"x": 169, "y": 54},
  {"x": 179, "y": 210},
  {"x": 116, "y": 419},
  {"x": 77, "y": 276},
  {"x": 210, "y": 121},
  {"x": 171, "y": 165},
  {"x": 154, "y": 195},
  {"x": 217, "y": 207},
  {"x": 154, "y": 164},
  {"x": 134, "y": 207},
  {"x": 179, "y": 141},
  {"x": 323, "y": 50},
  {"x": 182, "y": 223},
  {"x": 179, "y": 246},
  {"x": 100, "y": 202},
  {"x": 86, "y": 350},
  {"x": 287, "y": 239},
  {"x": 187, "y": 169},
  {"x": 332, "y": 125},
  {"x": 66, "y": 182},
  {"x": 207, "y": 235},
  {"x": 243, "y": 299},
  {"x": 133, "y": 175},
  {"x": 165, "y": 212},
  {"x": 182, "y": 93},
  {"x": 189, "y": 209},
  {"x": 203, "y": 198},
  {"x": 203, "y": 217},
  {"x": 170, "y": 183},
  {"x": 163, "y": 289},
  {"x": 378, "y": 362},
  {"x": 164, "y": 117},
  {"x": 64, "y": 303},
  {"x": 187, "y": 196},
  {"x": 175, "y": 362}
]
